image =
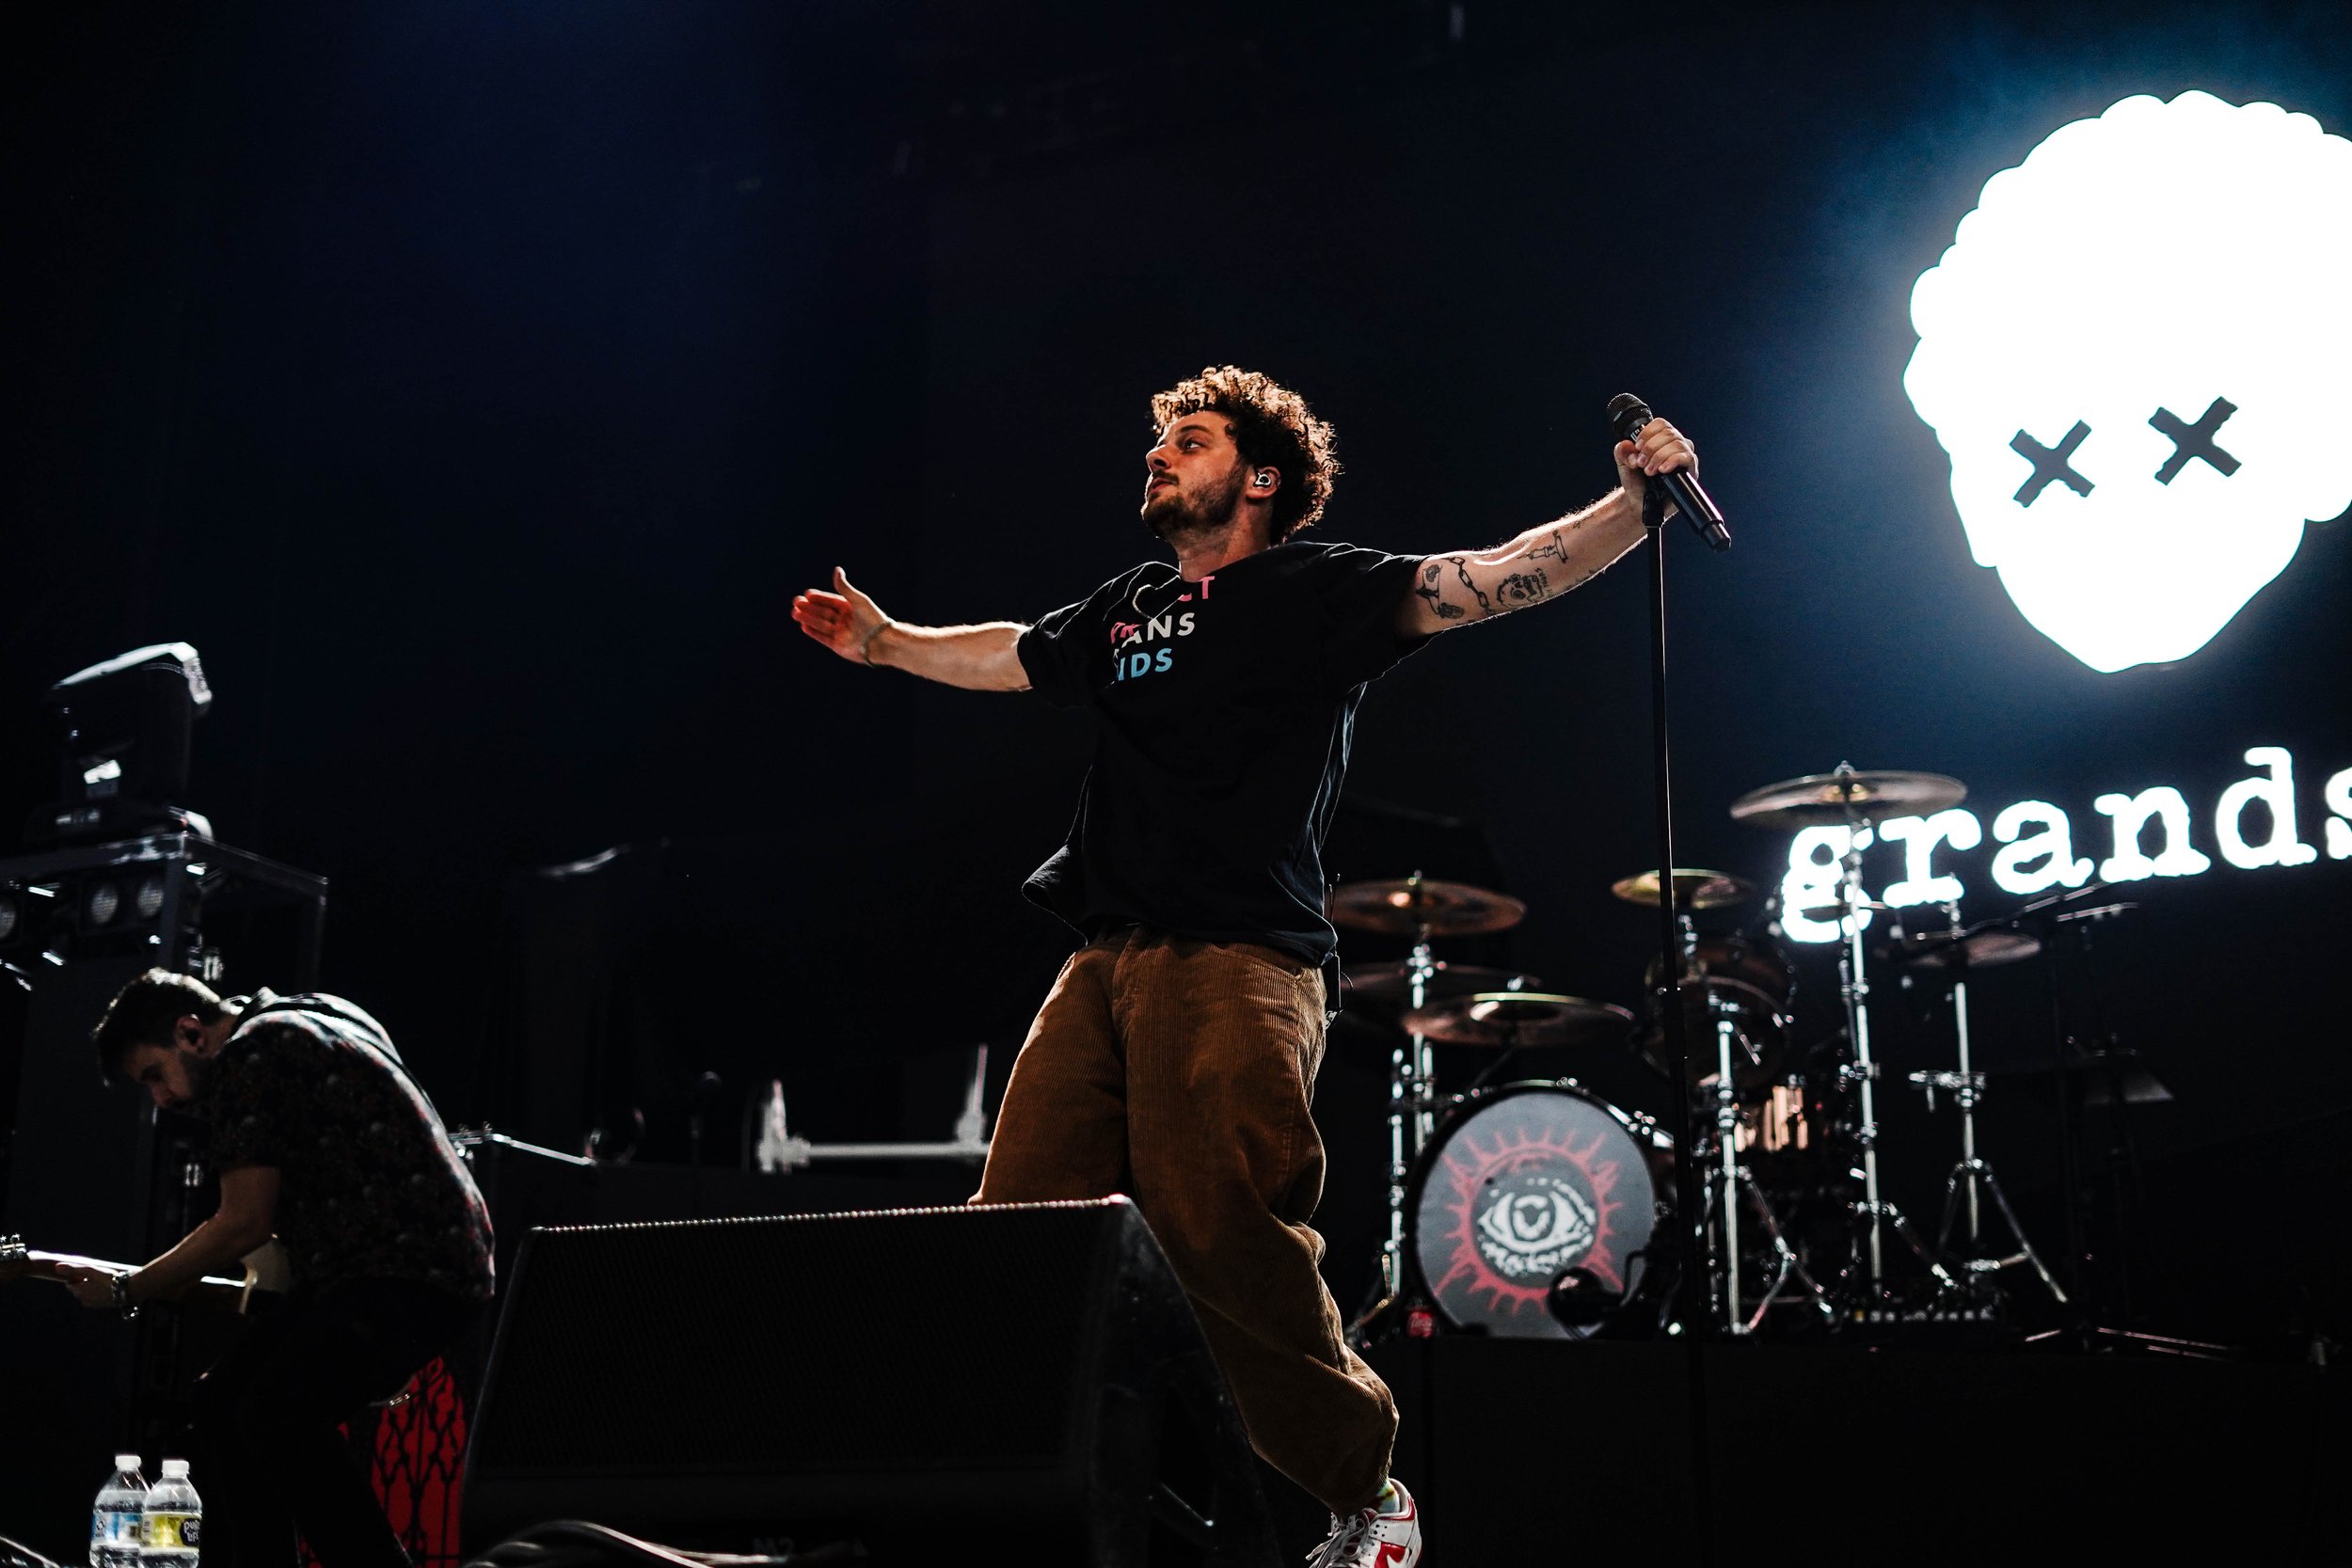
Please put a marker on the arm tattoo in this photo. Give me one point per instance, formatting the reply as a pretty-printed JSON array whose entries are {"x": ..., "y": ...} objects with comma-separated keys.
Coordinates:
[
  {"x": 1524, "y": 588},
  {"x": 1436, "y": 596},
  {"x": 1461, "y": 569},
  {"x": 1556, "y": 551}
]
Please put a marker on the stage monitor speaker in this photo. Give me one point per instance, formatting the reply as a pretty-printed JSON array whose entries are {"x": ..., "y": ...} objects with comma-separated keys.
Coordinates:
[{"x": 935, "y": 1384}]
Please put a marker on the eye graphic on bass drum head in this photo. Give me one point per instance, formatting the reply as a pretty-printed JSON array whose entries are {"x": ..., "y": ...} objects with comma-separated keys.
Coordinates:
[
  {"x": 1523, "y": 1184},
  {"x": 2141, "y": 393}
]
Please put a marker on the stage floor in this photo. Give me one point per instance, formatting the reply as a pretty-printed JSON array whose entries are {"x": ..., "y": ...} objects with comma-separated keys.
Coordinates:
[{"x": 1527, "y": 1451}]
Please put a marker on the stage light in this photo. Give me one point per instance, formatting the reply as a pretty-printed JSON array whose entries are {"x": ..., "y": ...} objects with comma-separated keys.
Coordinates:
[
  {"x": 150, "y": 900},
  {"x": 125, "y": 728},
  {"x": 2133, "y": 353},
  {"x": 100, "y": 902}
]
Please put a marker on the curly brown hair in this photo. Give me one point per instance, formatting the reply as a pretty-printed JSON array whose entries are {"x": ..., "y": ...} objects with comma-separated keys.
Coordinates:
[{"x": 1273, "y": 427}]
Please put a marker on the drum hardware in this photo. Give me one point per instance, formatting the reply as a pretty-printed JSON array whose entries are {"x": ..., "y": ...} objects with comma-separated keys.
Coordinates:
[
  {"x": 1726, "y": 1180},
  {"x": 1985, "y": 947},
  {"x": 1515, "y": 1020},
  {"x": 1848, "y": 796},
  {"x": 1579, "y": 1300},
  {"x": 1393, "y": 982},
  {"x": 1693, "y": 889},
  {"x": 1510, "y": 1022},
  {"x": 1421, "y": 908},
  {"x": 1536, "y": 1191},
  {"x": 2087, "y": 1073},
  {"x": 1972, "y": 1178},
  {"x": 1412, "y": 1096},
  {"x": 1734, "y": 974},
  {"x": 1741, "y": 985},
  {"x": 1855, "y": 799}
]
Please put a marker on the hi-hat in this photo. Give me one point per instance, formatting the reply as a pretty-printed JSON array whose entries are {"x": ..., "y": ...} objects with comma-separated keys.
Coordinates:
[
  {"x": 1420, "y": 905},
  {"x": 1828, "y": 800},
  {"x": 1693, "y": 889},
  {"x": 1395, "y": 982},
  {"x": 1510, "y": 1017}
]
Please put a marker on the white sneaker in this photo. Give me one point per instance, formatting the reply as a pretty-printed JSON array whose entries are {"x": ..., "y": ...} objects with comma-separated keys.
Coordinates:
[{"x": 1386, "y": 1535}]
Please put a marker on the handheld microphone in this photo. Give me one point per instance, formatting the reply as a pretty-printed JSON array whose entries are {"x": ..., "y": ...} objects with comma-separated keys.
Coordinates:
[{"x": 1627, "y": 413}]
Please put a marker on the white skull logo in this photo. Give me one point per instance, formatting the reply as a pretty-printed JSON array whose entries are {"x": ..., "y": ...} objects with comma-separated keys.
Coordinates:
[{"x": 2133, "y": 355}]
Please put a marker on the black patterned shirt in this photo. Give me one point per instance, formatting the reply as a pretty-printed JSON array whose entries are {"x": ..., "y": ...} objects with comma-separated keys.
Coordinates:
[{"x": 370, "y": 1185}]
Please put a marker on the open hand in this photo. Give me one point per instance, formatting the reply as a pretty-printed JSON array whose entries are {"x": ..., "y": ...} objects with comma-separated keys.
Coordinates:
[
  {"x": 1660, "y": 449},
  {"x": 845, "y": 620}
]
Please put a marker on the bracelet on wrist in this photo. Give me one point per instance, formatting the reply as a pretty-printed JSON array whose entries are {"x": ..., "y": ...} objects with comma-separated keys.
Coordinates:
[
  {"x": 866, "y": 649},
  {"x": 119, "y": 1288}
]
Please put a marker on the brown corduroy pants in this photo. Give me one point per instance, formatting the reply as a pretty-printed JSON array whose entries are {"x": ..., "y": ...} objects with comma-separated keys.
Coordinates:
[{"x": 1179, "y": 1073}]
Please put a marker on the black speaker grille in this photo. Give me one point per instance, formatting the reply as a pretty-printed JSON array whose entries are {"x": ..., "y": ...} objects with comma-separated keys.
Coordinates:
[{"x": 695, "y": 1348}]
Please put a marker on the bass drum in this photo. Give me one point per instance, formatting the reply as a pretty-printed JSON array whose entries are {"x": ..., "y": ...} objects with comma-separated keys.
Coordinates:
[{"x": 1524, "y": 1182}]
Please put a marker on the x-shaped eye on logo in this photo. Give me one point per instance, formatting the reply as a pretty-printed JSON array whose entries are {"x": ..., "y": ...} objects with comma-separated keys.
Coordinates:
[
  {"x": 2194, "y": 440},
  {"x": 2050, "y": 463}
]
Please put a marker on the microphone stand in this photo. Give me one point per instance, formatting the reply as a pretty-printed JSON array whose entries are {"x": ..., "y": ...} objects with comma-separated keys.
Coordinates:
[{"x": 1689, "y": 1290}]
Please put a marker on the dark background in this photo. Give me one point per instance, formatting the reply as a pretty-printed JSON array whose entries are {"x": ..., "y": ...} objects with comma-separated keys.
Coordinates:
[{"x": 474, "y": 386}]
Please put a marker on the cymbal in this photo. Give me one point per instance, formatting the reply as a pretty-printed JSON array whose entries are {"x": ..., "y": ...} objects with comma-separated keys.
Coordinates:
[
  {"x": 1824, "y": 799},
  {"x": 1693, "y": 889},
  {"x": 1395, "y": 982},
  {"x": 1512, "y": 1018},
  {"x": 1985, "y": 950},
  {"x": 1420, "y": 904}
]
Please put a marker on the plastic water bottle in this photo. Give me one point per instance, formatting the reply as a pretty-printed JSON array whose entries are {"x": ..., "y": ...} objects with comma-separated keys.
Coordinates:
[
  {"x": 114, "y": 1519},
  {"x": 171, "y": 1525}
]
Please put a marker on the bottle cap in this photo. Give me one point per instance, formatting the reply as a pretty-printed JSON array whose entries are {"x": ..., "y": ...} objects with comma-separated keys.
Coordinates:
[
  {"x": 175, "y": 1469},
  {"x": 126, "y": 1461}
]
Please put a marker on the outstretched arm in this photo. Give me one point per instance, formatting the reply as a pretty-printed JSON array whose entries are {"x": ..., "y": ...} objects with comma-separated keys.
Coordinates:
[
  {"x": 978, "y": 659},
  {"x": 1464, "y": 588}
]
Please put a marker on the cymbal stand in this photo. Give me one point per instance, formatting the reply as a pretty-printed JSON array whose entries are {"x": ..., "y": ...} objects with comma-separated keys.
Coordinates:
[
  {"x": 1973, "y": 1177},
  {"x": 1853, "y": 987},
  {"x": 1412, "y": 1113},
  {"x": 1412, "y": 1119},
  {"x": 1725, "y": 1182}
]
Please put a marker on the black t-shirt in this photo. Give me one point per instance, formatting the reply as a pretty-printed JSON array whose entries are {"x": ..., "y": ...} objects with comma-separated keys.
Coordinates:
[
  {"x": 370, "y": 1185},
  {"x": 1225, "y": 711}
]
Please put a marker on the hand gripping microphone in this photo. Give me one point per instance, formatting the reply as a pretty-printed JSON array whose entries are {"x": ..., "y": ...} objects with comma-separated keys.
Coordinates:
[{"x": 1627, "y": 413}]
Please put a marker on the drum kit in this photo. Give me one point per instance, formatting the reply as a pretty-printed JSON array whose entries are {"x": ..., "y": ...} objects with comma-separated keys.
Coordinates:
[{"x": 1534, "y": 1208}]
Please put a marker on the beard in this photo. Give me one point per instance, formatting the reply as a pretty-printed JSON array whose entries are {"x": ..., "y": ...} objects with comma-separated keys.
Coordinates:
[
  {"x": 199, "y": 1103},
  {"x": 1175, "y": 516}
]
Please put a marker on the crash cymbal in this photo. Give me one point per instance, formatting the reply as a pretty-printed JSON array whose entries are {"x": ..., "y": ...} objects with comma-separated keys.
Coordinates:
[
  {"x": 1985, "y": 950},
  {"x": 1420, "y": 904},
  {"x": 1825, "y": 800},
  {"x": 1395, "y": 982},
  {"x": 1511, "y": 1018},
  {"x": 1693, "y": 889}
]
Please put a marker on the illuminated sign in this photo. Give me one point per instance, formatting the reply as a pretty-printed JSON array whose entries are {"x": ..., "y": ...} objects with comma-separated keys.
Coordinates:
[
  {"x": 2152, "y": 833},
  {"x": 2133, "y": 352}
]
